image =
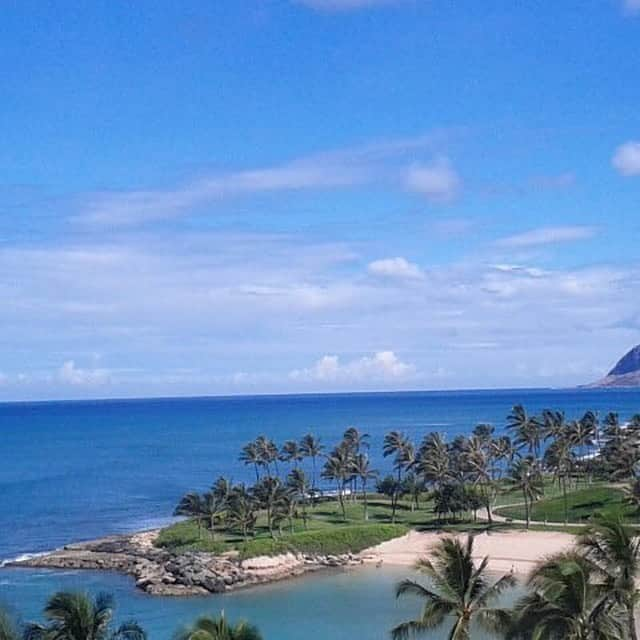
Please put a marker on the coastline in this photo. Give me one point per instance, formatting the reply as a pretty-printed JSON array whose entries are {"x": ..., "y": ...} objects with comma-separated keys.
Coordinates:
[{"x": 160, "y": 572}]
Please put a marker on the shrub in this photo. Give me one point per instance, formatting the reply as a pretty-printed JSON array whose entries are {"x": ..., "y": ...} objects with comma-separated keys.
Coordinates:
[
  {"x": 184, "y": 536},
  {"x": 347, "y": 539}
]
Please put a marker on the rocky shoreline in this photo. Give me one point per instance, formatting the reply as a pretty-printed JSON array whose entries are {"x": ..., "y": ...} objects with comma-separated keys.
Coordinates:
[{"x": 164, "y": 573}]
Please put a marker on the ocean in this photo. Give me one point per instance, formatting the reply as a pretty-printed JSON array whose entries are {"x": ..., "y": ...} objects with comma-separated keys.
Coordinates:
[{"x": 73, "y": 471}]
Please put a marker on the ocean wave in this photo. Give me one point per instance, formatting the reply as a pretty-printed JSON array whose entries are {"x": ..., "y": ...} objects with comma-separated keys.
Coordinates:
[{"x": 22, "y": 557}]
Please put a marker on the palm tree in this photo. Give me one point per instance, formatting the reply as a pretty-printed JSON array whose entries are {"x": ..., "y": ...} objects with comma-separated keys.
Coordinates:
[
  {"x": 356, "y": 439},
  {"x": 524, "y": 475},
  {"x": 8, "y": 629},
  {"x": 553, "y": 424},
  {"x": 297, "y": 482},
  {"x": 582, "y": 434},
  {"x": 413, "y": 487},
  {"x": 591, "y": 422},
  {"x": 559, "y": 457},
  {"x": 267, "y": 493},
  {"x": 222, "y": 489},
  {"x": 241, "y": 512},
  {"x": 338, "y": 468},
  {"x": 268, "y": 453},
  {"x": 390, "y": 487},
  {"x": 433, "y": 461},
  {"x": 213, "y": 506},
  {"x": 192, "y": 506},
  {"x": 311, "y": 447},
  {"x": 291, "y": 452},
  {"x": 501, "y": 451},
  {"x": 362, "y": 471},
  {"x": 611, "y": 425},
  {"x": 615, "y": 551},
  {"x": 76, "y": 616},
  {"x": 477, "y": 458},
  {"x": 209, "y": 628},
  {"x": 632, "y": 493},
  {"x": 566, "y": 603},
  {"x": 527, "y": 429},
  {"x": 286, "y": 508},
  {"x": 484, "y": 432},
  {"x": 398, "y": 445},
  {"x": 251, "y": 455},
  {"x": 460, "y": 592}
]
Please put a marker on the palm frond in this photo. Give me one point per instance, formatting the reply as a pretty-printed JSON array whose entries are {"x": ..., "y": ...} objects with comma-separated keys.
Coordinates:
[{"x": 129, "y": 630}]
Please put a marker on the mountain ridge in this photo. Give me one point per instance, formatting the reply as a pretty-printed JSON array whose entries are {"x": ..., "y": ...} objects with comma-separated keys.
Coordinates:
[{"x": 625, "y": 373}]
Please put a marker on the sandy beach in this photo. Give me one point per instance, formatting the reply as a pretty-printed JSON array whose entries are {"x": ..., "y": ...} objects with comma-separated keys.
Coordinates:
[{"x": 507, "y": 551}]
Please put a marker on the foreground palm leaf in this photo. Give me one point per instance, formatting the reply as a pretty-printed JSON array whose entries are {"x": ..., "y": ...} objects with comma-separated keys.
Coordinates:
[
  {"x": 459, "y": 592},
  {"x": 567, "y": 603},
  {"x": 76, "y": 616},
  {"x": 615, "y": 552},
  {"x": 8, "y": 630},
  {"x": 210, "y": 628}
]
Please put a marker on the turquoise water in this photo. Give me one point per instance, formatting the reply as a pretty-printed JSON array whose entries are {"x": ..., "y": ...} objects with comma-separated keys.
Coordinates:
[
  {"x": 355, "y": 604},
  {"x": 79, "y": 470}
]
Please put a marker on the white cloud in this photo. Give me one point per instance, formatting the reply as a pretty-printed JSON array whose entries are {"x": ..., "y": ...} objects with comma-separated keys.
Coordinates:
[
  {"x": 181, "y": 314},
  {"x": 626, "y": 158},
  {"x": 398, "y": 268},
  {"x": 383, "y": 366},
  {"x": 70, "y": 374},
  {"x": 135, "y": 207},
  {"x": 533, "y": 272},
  {"x": 438, "y": 182},
  {"x": 346, "y": 5},
  {"x": 337, "y": 169},
  {"x": 547, "y": 235},
  {"x": 631, "y": 6}
]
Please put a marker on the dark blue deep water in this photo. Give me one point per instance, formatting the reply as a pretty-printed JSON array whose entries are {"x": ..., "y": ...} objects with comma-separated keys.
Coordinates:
[{"x": 79, "y": 470}]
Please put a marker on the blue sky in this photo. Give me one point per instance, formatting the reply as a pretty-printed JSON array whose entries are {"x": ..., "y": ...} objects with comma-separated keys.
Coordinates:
[{"x": 316, "y": 195}]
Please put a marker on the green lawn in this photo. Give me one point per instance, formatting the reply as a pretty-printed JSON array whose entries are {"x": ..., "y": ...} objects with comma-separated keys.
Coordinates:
[
  {"x": 326, "y": 530},
  {"x": 508, "y": 495},
  {"x": 582, "y": 504},
  {"x": 328, "y": 533}
]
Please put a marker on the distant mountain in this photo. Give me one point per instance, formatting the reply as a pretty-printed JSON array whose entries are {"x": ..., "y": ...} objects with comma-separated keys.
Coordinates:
[{"x": 626, "y": 373}]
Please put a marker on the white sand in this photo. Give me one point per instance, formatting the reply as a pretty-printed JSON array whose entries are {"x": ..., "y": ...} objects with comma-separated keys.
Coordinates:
[
  {"x": 145, "y": 539},
  {"x": 507, "y": 551}
]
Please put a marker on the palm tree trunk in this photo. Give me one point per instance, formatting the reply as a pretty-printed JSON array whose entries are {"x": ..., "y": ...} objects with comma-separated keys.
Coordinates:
[
  {"x": 633, "y": 633},
  {"x": 488, "y": 505},
  {"x": 313, "y": 482},
  {"x": 526, "y": 507},
  {"x": 566, "y": 505},
  {"x": 269, "y": 523},
  {"x": 341, "y": 500},
  {"x": 364, "y": 499}
]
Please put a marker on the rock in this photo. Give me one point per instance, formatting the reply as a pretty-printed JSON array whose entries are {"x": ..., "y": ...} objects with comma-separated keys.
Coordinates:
[{"x": 160, "y": 572}]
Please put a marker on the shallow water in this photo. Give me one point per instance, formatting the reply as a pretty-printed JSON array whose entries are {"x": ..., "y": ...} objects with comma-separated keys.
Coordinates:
[{"x": 358, "y": 603}]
